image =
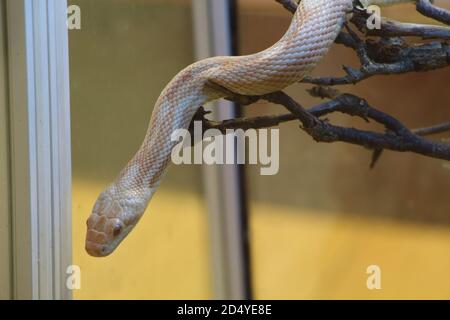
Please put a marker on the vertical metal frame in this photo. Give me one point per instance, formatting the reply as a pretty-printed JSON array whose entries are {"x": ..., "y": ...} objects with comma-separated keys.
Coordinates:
[
  {"x": 223, "y": 189},
  {"x": 40, "y": 147},
  {"x": 5, "y": 212}
]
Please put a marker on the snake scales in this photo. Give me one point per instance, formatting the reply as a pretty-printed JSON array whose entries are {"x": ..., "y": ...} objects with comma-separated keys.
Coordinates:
[{"x": 314, "y": 28}]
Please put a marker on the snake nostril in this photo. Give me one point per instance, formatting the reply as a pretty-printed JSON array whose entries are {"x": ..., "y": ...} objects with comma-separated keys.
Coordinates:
[{"x": 96, "y": 250}]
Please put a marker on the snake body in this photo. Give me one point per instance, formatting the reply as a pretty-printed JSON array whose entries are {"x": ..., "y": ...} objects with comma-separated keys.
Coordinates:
[{"x": 314, "y": 28}]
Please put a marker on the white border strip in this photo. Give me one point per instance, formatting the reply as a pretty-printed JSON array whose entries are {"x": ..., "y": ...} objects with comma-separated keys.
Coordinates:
[{"x": 40, "y": 144}]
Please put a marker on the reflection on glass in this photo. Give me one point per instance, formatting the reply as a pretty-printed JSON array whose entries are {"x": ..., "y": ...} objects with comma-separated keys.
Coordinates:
[
  {"x": 120, "y": 60},
  {"x": 329, "y": 217}
]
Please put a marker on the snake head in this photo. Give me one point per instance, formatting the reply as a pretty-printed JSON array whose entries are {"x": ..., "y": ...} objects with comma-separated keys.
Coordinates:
[{"x": 111, "y": 221}]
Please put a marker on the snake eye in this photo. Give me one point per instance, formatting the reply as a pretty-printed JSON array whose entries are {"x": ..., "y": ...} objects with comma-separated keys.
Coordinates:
[{"x": 117, "y": 230}]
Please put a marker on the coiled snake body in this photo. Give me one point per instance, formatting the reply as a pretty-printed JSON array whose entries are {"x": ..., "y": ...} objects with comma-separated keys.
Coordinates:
[{"x": 314, "y": 28}]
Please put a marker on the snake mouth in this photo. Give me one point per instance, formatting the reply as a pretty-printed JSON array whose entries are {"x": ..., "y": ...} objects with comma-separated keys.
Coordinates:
[
  {"x": 97, "y": 250},
  {"x": 99, "y": 246}
]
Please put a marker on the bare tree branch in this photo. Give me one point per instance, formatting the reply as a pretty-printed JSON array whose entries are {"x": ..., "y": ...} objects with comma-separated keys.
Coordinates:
[
  {"x": 426, "y": 8},
  {"x": 397, "y": 136},
  {"x": 388, "y": 55},
  {"x": 392, "y": 28},
  {"x": 400, "y": 58}
]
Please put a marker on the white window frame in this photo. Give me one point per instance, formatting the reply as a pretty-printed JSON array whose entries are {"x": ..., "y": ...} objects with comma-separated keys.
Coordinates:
[{"x": 40, "y": 149}]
